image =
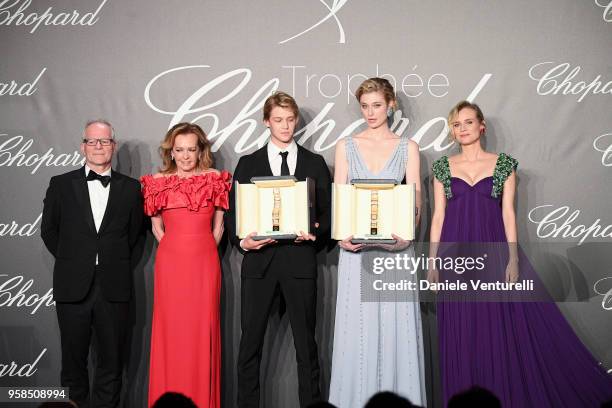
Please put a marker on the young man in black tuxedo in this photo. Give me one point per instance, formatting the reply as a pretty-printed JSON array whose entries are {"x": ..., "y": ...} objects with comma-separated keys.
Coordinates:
[
  {"x": 288, "y": 269},
  {"x": 91, "y": 222}
]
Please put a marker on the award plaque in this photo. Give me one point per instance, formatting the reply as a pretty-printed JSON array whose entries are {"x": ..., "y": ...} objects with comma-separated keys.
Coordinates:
[
  {"x": 372, "y": 209},
  {"x": 276, "y": 207}
]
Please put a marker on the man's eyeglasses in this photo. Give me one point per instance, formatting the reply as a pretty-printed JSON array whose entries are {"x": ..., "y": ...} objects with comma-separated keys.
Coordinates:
[{"x": 94, "y": 142}]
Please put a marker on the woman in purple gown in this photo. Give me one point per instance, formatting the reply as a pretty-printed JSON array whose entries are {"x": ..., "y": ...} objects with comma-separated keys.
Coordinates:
[{"x": 525, "y": 352}]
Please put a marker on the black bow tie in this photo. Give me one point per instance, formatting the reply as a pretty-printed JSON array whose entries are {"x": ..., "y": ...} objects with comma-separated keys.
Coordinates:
[{"x": 95, "y": 176}]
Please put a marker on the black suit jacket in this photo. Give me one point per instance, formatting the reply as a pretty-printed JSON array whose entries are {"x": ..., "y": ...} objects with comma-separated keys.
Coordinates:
[
  {"x": 70, "y": 235},
  {"x": 309, "y": 164}
]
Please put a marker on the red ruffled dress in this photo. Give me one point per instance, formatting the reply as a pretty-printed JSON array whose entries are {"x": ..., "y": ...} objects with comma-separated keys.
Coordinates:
[{"x": 185, "y": 339}]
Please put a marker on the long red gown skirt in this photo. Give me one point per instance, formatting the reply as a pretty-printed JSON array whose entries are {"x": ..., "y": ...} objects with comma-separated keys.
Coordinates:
[{"x": 185, "y": 339}]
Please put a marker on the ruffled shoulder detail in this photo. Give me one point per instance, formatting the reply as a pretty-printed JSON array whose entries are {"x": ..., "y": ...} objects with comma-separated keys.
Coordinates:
[
  {"x": 441, "y": 171},
  {"x": 193, "y": 192},
  {"x": 505, "y": 165}
]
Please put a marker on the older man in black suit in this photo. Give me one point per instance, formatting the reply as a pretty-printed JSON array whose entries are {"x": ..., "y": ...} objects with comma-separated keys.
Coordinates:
[{"x": 91, "y": 222}]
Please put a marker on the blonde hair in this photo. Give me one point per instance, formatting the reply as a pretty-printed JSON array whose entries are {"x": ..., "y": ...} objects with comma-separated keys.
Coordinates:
[
  {"x": 281, "y": 99},
  {"x": 458, "y": 108},
  {"x": 377, "y": 85},
  {"x": 205, "y": 157}
]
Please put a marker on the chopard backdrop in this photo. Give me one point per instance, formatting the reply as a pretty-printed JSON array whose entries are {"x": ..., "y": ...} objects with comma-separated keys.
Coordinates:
[{"x": 541, "y": 70}]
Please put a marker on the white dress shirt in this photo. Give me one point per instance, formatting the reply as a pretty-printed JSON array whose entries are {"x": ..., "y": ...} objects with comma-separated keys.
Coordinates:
[
  {"x": 276, "y": 160},
  {"x": 98, "y": 198}
]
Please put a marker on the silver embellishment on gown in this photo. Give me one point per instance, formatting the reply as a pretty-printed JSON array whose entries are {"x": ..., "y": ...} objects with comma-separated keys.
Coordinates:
[{"x": 377, "y": 345}]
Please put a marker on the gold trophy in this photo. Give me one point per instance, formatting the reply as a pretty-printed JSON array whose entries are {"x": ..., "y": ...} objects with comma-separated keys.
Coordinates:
[
  {"x": 275, "y": 207},
  {"x": 372, "y": 210}
]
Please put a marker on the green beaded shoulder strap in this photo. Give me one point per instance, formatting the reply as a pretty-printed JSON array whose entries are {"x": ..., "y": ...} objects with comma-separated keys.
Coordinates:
[
  {"x": 505, "y": 165},
  {"x": 441, "y": 171}
]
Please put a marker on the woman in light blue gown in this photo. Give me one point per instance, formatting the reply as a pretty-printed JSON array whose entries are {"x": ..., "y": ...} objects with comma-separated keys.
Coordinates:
[{"x": 378, "y": 345}]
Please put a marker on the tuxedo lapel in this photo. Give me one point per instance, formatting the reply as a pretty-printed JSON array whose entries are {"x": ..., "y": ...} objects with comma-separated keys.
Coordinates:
[
  {"x": 114, "y": 199},
  {"x": 79, "y": 184},
  {"x": 263, "y": 164},
  {"x": 300, "y": 166}
]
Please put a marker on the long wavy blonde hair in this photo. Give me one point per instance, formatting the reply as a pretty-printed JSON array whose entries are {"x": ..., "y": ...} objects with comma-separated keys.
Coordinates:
[{"x": 205, "y": 157}]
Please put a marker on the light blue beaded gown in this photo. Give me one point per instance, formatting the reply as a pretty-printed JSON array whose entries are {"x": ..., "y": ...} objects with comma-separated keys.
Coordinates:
[{"x": 378, "y": 346}]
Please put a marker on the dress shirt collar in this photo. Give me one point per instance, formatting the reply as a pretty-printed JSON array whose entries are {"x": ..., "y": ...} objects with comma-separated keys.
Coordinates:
[
  {"x": 274, "y": 150},
  {"x": 104, "y": 173}
]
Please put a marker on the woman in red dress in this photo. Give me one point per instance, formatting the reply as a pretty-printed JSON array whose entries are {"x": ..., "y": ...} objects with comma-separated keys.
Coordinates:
[{"x": 186, "y": 202}]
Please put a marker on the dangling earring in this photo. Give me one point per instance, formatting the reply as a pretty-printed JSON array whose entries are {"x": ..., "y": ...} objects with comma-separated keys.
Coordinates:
[
  {"x": 172, "y": 157},
  {"x": 389, "y": 112}
]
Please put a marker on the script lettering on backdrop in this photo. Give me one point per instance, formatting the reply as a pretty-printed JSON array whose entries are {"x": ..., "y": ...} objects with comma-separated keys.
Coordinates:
[
  {"x": 12, "y": 369},
  {"x": 603, "y": 287},
  {"x": 336, "y": 5},
  {"x": 15, "y": 291},
  {"x": 607, "y": 6},
  {"x": 557, "y": 223},
  {"x": 603, "y": 144},
  {"x": 554, "y": 78},
  {"x": 26, "y": 89},
  {"x": 247, "y": 118},
  {"x": 13, "y": 229},
  {"x": 16, "y": 13},
  {"x": 14, "y": 151}
]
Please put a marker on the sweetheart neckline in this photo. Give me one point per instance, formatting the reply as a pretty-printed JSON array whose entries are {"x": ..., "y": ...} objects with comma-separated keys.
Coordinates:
[{"x": 471, "y": 185}]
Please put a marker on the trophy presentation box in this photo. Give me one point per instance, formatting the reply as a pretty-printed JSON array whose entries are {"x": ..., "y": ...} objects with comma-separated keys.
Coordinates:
[
  {"x": 275, "y": 207},
  {"x": 371, "y": 210}
]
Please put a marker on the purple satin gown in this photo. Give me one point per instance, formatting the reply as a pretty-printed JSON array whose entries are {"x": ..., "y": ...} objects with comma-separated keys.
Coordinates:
[{"x": 526, "y": 353}]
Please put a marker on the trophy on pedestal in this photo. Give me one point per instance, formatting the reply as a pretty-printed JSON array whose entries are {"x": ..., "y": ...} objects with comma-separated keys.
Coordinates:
[
  {"x": 275, "y": 207},
  {"x": 371, "y": 210}
]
